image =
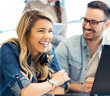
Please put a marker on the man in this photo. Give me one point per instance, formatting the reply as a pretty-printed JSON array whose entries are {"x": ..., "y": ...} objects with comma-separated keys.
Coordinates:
[{"x": 79, "y": 55}]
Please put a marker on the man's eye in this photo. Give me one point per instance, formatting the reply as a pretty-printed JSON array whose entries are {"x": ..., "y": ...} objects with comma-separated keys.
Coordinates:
[
  {"x": 85, "y": 20},
  {"x": 94, "y": 22}
]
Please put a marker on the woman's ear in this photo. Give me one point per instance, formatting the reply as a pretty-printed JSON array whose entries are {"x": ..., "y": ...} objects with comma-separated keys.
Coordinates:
[
  {"x": 107, "y": 24},
  {"x": 27, "y": 36}
]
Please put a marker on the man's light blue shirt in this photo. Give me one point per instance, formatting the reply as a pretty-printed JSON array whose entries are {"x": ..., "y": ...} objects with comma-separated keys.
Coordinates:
[{"x": 73, "y": 55}]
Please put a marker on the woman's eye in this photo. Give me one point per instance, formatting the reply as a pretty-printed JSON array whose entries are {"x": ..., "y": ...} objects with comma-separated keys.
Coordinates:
[
  {"x": 51, "y": 31},
  {"x": 41, "y": 30}
]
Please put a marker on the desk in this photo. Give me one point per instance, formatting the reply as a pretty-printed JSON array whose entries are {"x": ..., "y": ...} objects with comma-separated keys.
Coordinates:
[{"x": 74, "y": 94}]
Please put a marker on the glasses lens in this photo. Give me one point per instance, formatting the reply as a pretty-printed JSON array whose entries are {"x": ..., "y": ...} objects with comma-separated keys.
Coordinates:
[
  {"x": 93, "y": 23},
  {"x": 84, "y": 21}
]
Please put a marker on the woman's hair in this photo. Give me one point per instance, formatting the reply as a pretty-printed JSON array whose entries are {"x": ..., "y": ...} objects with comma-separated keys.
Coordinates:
[
  {"x": 58, "y": 11},
  {"x": 100, "y": 5},
  {"x": 23, "y": 29}
]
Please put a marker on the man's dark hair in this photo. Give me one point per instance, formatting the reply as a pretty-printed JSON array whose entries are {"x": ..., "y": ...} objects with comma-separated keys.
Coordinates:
[{"x": 100, "y": 5}]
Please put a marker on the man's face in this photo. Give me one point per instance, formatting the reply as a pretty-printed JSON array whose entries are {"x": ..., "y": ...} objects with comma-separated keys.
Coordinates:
[{"x": 93, "y": 33}]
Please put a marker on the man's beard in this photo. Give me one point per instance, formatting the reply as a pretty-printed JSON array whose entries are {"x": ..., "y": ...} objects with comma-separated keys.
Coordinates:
[{"x": 85, "y": 37}]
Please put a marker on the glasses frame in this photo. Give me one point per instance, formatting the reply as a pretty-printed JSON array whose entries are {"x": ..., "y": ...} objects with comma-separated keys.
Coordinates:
[{"x": 92, "y": 20}]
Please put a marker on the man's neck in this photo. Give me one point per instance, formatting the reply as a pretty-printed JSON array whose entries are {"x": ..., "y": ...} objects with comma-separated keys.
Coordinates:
[{"x": 93, "y": 46}]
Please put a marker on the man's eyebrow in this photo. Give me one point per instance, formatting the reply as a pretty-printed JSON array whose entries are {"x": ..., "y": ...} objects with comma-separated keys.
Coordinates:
[{"x": 90, "y": 20}]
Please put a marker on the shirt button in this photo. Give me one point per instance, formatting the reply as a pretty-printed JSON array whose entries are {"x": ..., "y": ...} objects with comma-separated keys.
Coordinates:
[
  {"x": 87, "y": 55},
  {"x": 81, "y": 82},
  {"x": 16, "y": 77},
  {"x": 85, "y": 68}
]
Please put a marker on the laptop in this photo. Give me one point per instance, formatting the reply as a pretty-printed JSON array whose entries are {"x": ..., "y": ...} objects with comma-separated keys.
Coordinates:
[{"x": 101, "y": 85}]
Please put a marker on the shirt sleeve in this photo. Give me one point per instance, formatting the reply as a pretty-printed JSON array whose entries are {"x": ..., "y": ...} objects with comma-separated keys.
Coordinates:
[
  {"x": 63, "y": 56},
  {"x": 11, "y": 70},
  {"x": 56, "y": 67}
]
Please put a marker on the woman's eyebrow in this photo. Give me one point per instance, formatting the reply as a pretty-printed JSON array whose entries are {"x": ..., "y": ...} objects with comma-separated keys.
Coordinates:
[{"x": 41, "y": 28}]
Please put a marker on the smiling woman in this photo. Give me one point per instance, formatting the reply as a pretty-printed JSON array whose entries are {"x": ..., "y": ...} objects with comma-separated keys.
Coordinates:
[
  {"x": 29, "y": 66},
  {"x": 40, "y": 36}
]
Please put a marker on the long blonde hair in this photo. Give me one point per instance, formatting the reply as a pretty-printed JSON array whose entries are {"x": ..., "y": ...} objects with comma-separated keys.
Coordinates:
[{"x": 23, "y": 29}]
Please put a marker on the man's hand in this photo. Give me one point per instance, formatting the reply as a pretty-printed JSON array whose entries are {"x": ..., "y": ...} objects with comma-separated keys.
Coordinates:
[{"x": 87, "y": 86}]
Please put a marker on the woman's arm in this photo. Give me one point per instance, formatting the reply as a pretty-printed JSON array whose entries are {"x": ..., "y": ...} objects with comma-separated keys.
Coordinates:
[
  {"x": 56, "y": 67},
  {"x": 11, "y": 79},
  {"x": 43, "y": 88},
  {"x": 57, "y": 90},
  {"x": 37, "y": 89}
]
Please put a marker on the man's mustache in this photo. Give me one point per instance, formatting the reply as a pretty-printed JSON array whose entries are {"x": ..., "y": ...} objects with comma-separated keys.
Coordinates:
[{"x": 89, "y": 29}]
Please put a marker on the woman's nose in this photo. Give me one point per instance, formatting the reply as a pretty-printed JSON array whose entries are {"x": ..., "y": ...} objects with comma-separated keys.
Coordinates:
[{"x": 47, "y": 35}]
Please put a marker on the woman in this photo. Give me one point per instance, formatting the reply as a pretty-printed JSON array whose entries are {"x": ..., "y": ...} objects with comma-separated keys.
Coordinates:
[
  {"x": 28, "y": 65},
  {"x": 54, "y": 8}
]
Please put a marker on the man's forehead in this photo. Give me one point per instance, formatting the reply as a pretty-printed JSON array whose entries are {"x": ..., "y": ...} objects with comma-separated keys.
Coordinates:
[{"x": 94, "y": 14}]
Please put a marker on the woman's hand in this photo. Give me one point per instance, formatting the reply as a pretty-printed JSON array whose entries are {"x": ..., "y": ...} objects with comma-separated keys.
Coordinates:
[
  {"x": 24, "y": 75},
  {"x": 60, "y": 77}
]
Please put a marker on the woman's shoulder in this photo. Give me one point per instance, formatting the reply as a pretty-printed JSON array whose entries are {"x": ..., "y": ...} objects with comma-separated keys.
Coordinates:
[{"x": 9, "y": 46}]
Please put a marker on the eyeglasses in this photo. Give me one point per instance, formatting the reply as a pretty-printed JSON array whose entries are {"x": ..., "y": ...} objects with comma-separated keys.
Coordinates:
[{"x": 93, "y": 23}]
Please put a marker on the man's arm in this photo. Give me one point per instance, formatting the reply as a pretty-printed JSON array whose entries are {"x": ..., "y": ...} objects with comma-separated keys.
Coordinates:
[
  {"x": 62, "y": 55},
  {"x": 86, "y": 87},
  {"x": 74, "y": 87}
]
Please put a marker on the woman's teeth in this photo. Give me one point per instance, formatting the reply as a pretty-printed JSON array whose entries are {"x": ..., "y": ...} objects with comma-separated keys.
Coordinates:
[
  {"x": 88, "y": 31},
  {"x": 44, "y": 43}
]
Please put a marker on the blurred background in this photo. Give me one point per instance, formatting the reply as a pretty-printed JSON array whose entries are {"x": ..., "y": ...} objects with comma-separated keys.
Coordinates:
[{"x": 11, "y": 11}]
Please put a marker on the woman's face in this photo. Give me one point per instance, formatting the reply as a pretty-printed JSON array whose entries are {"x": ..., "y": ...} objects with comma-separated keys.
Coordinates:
[{"x": 40, "y": 36}]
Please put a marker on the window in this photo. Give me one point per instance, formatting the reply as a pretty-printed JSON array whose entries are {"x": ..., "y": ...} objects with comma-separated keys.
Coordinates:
[
  {"x": 75, "y": 9},
  {"x": 10, "y": 11}
]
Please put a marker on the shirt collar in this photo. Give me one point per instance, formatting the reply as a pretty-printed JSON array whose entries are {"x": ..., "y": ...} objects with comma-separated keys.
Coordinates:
[
  {"x": 83, "y": 41},
  {"x": 104, "y": 41}
]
